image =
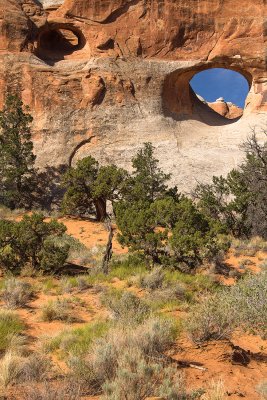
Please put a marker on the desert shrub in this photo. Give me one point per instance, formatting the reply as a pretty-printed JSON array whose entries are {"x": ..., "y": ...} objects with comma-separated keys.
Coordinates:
[
  {"x": 36, "y": 367},
  {"x": 242, "y": 306},
  {"x": 138, "y": 378},
  {"x": 78, "y": 252},
  {"x": 263, "y": 264},
  {"x": 16, "y": 293},
  {"x": 67, "y": 390},
  {"x": 262, "y": 389},
  {"x": 168, "y": 296},
  {"x": 125, "y": 307},
  {"x": 154, "y": 336},
  {"x": 10, "y": 326},
  {"x": 80, "y": 283},
  {"x": 17, "y": 344},
  {"x": 152, "y": 280},
  {"x": 151, "y": 338},
  {"x": 60, "y": 309},
  {"x": 10, "y": 368}
]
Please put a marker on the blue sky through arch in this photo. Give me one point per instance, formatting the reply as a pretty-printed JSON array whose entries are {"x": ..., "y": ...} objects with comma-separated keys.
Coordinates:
[{"x": 220, "y": 82}]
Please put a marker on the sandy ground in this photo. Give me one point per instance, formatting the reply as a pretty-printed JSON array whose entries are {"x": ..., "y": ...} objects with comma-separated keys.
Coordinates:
[{"x": 214, "y": 358}]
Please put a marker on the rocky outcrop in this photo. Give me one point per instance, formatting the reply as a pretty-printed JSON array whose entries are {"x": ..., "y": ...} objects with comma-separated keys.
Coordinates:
[
  {"x": 102, "y": 77},
  {"x": 225, "y": 109}
]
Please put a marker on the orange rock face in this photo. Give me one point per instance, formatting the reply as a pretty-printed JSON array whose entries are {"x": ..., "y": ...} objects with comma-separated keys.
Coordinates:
[
  {"x": 102, "y": 77},
  {"x": 225, "y": 109}
]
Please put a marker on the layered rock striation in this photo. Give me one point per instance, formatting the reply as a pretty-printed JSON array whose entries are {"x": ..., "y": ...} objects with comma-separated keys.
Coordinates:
[{"x": 102, "y": 77}]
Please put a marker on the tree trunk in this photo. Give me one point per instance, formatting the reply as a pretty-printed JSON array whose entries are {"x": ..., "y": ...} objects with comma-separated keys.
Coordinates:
[
  {"x": 101, "y": 209},
  {"x": 108, "y": 252}
]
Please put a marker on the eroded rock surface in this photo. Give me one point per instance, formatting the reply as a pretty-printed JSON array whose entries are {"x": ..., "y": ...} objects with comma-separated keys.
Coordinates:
[{"x": 102, "y": 77}]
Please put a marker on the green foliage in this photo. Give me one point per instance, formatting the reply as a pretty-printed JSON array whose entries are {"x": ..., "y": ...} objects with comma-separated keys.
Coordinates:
[
  {"x": 16, "y": 155},
  {"x": 90, "y": 186},
  {"x": 30, "y": 242},
  {"x": 137, "y": 223},
  {"x": 195, "y": 238},
  {"x": 239, "y": 200},
  {"x": 226, "y": 199},
  {"x": 148, "y": 181},
  {"x": 168, "y": 230}
]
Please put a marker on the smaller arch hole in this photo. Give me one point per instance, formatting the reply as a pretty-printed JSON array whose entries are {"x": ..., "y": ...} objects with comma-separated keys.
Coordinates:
[{"x": 57, "y": 43}]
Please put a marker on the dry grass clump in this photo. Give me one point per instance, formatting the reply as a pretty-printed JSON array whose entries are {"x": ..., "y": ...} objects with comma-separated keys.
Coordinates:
[
  {"x": 35, "y": 368},
  {"x": 262, "y": 389},
  {"x": 78, "y": 252},
  {"x": 17, "y": 369},
  {"x": 10, "y": 369},
  {"x": 79, "y": 283},
  {"x": 263, "y": 264},
  {"x": 66, "y": 390},
  {"x": 16, "y": 293},
  {"x": 241, "y": 306},
  {"x": 249, "y": 247},
  {"x": 216, "y": 391},
  {"x": 125, "y": 307},
  {"x": 58, "y": 310},
  {"x": 10, "y": 327},
  {"x": 153, "y": 280}
]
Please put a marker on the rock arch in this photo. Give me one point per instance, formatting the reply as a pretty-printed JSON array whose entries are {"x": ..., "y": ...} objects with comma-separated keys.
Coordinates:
[{"x": 179, "y": 99}]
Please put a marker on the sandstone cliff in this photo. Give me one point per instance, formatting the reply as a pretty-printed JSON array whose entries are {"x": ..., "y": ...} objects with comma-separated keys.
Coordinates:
[{"x": 101, "y": 77}]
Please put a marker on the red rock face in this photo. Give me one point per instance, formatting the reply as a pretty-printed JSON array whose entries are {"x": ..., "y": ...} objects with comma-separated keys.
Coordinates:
[{"x": 103, "y": 76}]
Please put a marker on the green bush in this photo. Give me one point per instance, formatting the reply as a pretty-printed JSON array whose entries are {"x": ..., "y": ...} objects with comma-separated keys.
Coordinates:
[{"x": 30, "y": 242}]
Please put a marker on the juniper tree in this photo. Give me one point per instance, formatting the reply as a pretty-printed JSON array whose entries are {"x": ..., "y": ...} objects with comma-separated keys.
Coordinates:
[
  {"x": 148, "y": 181},
  {"x": 89, "y": 187},
  {"x": 32, "y": 241},
  {"x": 16, "y": 154}
]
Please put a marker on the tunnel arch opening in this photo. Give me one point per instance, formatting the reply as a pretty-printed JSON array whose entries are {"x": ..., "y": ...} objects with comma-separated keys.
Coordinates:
[
  {"x": 57, "y": 42},
  {"x": 180, "y": 101},
  {"x": 221, "y": 89}
]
